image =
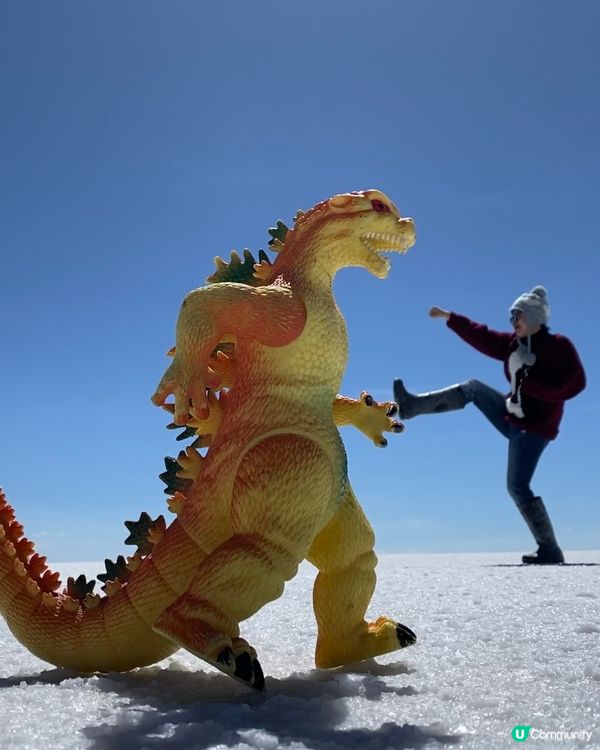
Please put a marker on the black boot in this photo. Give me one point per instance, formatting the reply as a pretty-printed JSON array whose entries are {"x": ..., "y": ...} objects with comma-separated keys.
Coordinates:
[
  {"x": 410, "y": 405},
  {"x": 537, "y": 518}
]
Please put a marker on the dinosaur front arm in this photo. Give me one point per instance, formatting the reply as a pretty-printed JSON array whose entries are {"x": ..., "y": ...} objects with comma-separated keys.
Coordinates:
[
  {"x": 371, "y": 417},
  {"x": 270, "y": 315}
]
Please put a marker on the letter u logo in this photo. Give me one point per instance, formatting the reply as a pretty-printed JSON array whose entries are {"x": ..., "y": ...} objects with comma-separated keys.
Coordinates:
[{"x": 520, "y": 733}]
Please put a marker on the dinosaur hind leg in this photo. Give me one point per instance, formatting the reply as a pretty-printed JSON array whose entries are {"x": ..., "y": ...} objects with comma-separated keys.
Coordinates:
[
  {"x": 282, "y": 496},
  {"x": 343, "y": 553}
]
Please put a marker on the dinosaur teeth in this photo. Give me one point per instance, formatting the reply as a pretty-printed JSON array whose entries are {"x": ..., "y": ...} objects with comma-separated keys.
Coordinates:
[{"x": 379, "y": 242}]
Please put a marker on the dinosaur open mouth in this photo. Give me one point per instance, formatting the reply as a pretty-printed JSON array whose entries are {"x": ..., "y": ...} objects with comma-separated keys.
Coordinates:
[{"x": 381, "y": 242}]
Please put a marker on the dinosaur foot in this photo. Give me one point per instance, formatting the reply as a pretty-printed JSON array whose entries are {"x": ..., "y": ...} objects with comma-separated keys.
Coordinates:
[
  {"x": 233, "y": 656},
  {"x": 374, "y": 639},
  {"x": 241, "y": 665},
  {"x": 237, "y": 661}
]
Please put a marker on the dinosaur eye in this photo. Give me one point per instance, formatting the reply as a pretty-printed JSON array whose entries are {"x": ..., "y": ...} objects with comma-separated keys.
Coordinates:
[{"x": 380, "y": 207}]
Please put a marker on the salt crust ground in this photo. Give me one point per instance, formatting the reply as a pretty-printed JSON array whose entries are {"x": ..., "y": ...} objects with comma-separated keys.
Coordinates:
[{"x": 498, "y": 646}]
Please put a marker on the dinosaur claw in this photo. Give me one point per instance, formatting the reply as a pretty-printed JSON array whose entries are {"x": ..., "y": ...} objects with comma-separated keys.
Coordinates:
[
  {"x": 405, "y": 635},
  {"x": 398, "y": 427},
  {"x": 249, "y": 670},
  {"x": 243, "y": 667},
  {"x": 226, "y": 657},
  {"x": 392, "y": 411}
]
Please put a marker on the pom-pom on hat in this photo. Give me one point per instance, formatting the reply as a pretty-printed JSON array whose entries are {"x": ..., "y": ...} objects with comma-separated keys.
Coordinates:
[{"x": 534, "y": 306}]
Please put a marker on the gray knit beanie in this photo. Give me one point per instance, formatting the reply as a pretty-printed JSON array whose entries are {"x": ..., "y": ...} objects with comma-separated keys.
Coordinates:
[{"x": 534, "y": 306}]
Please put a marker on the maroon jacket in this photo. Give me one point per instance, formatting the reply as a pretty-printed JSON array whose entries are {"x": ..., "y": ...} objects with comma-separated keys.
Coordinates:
[{"x": 556, "y": 376}]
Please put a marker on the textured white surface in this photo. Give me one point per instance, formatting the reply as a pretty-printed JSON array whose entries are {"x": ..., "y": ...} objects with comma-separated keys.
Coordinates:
[{"x": 498, "y": 646}]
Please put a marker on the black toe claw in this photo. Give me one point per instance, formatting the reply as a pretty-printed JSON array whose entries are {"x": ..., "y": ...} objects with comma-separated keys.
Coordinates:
[
  {"x": 369, "y": 399},
  {"x": 250, "y": 671},
  {"x": 392, "y": 411},
  {"x": 259, "y": 678},
  {"x": 405, "y": 635},
  {"x": 226, "y": 657},
  {"x": 243, "y": 667}
]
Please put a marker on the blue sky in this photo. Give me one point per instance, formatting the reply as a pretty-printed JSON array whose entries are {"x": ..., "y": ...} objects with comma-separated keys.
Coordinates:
[{"x": 140, "y": 139}]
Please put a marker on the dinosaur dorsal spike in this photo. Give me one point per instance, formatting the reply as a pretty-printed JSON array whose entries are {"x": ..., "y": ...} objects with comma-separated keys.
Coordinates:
[
  {"x": 49, "y": 582},
  {"x": 24, "y": 549},
  {"x": 157, "y": 530},
  {"x": 115, "y": 570},
  {"x": 278, "y": 235},
  {"x": 37, "y": 565},
  {"x": 173, "y": 484},
  {"x": 78, "y": 588},
  {"x": 237, "y": 271},
  {"x": 139, "y": 532},
  {"x": 188, "y": 432},
  {"x": 134, "y": 562},
  {"x": 176, "y": 502}
]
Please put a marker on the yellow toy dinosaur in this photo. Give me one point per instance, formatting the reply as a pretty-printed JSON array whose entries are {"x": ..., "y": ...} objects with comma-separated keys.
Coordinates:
[{"x": 256, "y": 369}]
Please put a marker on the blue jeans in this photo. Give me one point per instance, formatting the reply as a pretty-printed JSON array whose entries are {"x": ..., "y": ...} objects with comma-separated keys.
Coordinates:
[{"x": 524, "y": 448}]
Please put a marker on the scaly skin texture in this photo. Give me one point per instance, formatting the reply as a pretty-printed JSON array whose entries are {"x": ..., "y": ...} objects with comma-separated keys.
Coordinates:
[{"x": 256, "y": 369}]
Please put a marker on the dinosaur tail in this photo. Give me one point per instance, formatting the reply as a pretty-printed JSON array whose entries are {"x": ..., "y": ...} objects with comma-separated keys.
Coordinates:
[{"x": 75, "y": 628}]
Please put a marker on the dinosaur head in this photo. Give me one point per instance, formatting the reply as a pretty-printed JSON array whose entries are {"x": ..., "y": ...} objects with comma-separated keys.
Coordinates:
[{"x": 351, "y": 229}]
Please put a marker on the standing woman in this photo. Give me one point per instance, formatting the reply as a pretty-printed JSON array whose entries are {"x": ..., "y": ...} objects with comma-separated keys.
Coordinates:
[{"x": 544, "y": 370}]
